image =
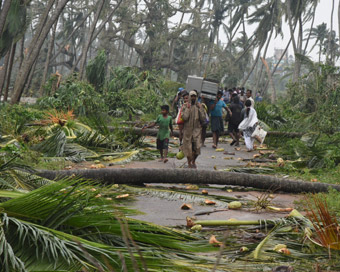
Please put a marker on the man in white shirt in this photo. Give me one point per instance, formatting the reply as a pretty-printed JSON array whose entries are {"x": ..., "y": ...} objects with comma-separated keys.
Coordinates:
[{"x": 249, "y": 97}]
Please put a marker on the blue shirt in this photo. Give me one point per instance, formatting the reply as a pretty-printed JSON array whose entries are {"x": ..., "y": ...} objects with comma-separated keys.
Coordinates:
[{"x": 217, "y": 111}]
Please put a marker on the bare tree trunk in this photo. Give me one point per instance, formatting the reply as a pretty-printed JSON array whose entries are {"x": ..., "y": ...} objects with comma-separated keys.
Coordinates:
[
  {"x": 143, "y": 175},
  {"x": 9, "y": 71},
  {"x": 329, "y": 53},
  {"x": 21, "y": 52},
  {"x": 30, "y": 77},
  {"x": 310, "y": 31},
  {"x": 35, "y": 46},
  {"x": 3, "y": 15},
  {"x": 339, "y": 19},
  {"x": 49, "y": 54},
  {"x": 292, "y": 31},
  {"x": 270, "y": 79},
  {"x": 3, "y": 73},
  {"x": 89, "y": 40}
]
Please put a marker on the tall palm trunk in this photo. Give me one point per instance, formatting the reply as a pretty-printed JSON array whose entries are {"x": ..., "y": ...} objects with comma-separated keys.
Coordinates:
[
  {"x": 291, "y": 30},
  {"x": 34, "y": 48},
  {"x": 339, "y": 19},
  {"x": 3, "y": 73},
  {"x": 89, "y": 39},
  {"x": 329, "y": 57},
  {"x": 9, "y": 71},
  {"x": 48, "y": 57}
]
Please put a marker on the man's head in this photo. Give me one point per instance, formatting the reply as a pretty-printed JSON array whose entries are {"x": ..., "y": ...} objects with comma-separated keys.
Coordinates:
[
  {"x": 219, "y": 95},
  {"x": 185, "y": 96},
  {"x": 165, "y": 109},
  {"x": 236, "y": 99},
  {"x": 249, "y": 93},
  {"x": 193, "y": 96}
]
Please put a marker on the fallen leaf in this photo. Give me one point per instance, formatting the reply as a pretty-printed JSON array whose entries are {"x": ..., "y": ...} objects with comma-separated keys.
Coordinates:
[
  {"x": 229, "y": 191},
  {"x": 314, "y": 180},
  {"x": 215, "y": 167},
  {"x": 256, "y": 156},
  {"x": 122, "y": 196},
  {"x": 205, "y": 192},
  {"x": 244, "y": 249},
  {"x": 186, "y": 207},
  {"x": 213, "y": 241},
  {"x": 228, "y": 158},
  {"x": 285, "y": 251},
  {"x": 237, "y": 148},
  {"x": 209, "y": 202},
  {"x": 196, "y": 228},
  {"x": 240, "y": 159},
  {"x": 219, "y": 149},
  {"x": 192, "y": 187}
]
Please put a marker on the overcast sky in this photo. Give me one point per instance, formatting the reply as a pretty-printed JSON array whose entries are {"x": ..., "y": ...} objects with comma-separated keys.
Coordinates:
[{"x": 323, "y": 15}]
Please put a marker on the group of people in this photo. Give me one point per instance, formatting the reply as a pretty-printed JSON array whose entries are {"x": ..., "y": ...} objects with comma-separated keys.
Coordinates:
[{"x": 194, "y": 113}]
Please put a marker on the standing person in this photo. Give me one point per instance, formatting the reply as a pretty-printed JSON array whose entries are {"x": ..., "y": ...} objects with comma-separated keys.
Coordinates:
[
  {"x": 217, "y": 126},
  {"x": 249, "y": 95},
  {"x": 164, "y": 120},
  {"x": 248, "y": 126},
  {"x": 177, "y": 102},
  {"x": 242, "y": 96},
  {"x": 235, "y": 119},
  {"x": 205, "y": 123},
  {"x": 185, "y": 97},
  {"x": 226, "y": 95},
  {"x": 193, "y": 116}
]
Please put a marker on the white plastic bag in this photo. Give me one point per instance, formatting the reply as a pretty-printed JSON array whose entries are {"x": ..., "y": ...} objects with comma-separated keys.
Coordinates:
[{"x": 259, "y": 134}]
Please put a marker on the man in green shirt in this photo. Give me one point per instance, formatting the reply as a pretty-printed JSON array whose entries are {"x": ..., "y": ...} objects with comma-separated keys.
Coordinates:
[{"x": 164, "y": 121}]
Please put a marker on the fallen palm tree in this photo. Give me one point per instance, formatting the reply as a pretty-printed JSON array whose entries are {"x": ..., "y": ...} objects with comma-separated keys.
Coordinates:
[
  {"x": 139, "y": 176},
  {"x": 153, "y": 132}
]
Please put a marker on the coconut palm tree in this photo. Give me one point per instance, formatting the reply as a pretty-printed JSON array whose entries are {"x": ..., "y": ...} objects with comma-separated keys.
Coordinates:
[{"x": 319, "y": 34}]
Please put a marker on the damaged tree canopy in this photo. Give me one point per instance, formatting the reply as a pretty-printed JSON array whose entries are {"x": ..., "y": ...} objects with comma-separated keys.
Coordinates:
[{"x": 140, "y": 176}]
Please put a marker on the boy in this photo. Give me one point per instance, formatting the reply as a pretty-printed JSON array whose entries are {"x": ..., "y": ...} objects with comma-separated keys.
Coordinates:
[{"x": 164, "y": 121}]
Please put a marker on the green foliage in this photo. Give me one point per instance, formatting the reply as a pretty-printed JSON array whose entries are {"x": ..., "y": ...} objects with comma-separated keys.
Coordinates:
[
  {"x": 15, "y": 26},
  {"x": 95, "y": 70},
  {"x": 79, "y": 96}
]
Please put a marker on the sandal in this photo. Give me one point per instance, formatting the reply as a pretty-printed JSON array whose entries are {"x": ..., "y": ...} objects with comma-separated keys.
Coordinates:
[{"x": 165, "y": 160}]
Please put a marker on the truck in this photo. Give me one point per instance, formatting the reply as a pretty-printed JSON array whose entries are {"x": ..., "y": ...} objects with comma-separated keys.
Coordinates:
[{"x": 205, "y": 87}]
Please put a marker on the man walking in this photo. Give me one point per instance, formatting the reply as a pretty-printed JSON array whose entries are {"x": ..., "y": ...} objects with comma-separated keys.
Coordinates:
[
  {"x": 193, "y": 116},
  {"x": 217, "y": 126}
]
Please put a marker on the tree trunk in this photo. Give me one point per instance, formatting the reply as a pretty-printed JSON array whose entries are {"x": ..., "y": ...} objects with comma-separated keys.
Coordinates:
[
  {"x": 9, "y": 71},
  {"x": 89, "y": 40},
  {"x": 140, "y": 176},
  {"x": 3, "y": 73},
  {"x": 48, "y": 57},
  {"x": 153, "y": 132},
  {"x": 270, "y": 80},
  {"x": 339, "y": 20},
  {"x": 22, "y": 49},
  {"x": 3, "y": 15},
  {"x": 292, "y": 31},
  {"x": 36, "y": 44},
  {"x": 30, "y": 77}
]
